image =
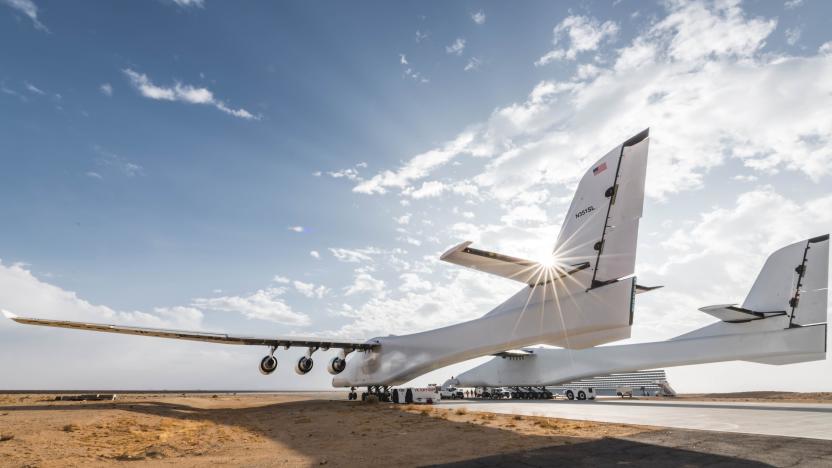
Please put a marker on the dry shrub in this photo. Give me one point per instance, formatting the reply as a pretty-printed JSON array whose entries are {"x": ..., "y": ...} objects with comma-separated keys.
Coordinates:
[
  {"x": 70, "y": 428},
  {"x": 371, "y": 399},
  {"x": 517, "y": 417},
  {"x": 424, "y": 412},
  {"x": 461, "y": 411},
  {"x": 5, "y": 437}
]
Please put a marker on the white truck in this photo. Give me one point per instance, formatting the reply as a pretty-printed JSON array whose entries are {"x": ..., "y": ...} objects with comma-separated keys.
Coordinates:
[
  {"x": 623, "y": 391},
  {"x": 424, "y": 395},
  {"x": 579, "y": 393},
  {"x": 451, "y": 393}
]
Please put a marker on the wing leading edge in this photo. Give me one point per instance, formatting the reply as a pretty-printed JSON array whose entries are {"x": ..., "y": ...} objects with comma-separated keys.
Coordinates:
[{"x": 322, "y": 343}]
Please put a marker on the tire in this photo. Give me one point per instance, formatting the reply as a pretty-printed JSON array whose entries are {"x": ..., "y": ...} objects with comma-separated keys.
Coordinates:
[
  {"x": 570, "y": 395},
  {"x": 408, "y": 396},
  {"x": 581, "y": 395}
]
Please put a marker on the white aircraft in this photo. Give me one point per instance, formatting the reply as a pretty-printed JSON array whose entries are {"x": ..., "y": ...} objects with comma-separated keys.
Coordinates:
[
  {"x": 583, "y": 298},
  {"x": 782, "y": 321}
]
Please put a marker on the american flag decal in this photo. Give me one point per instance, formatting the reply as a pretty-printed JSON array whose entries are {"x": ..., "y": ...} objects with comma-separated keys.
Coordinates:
[{"x": 599, "y": 169}]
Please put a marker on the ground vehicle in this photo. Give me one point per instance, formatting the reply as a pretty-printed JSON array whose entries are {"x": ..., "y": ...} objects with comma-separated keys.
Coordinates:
[
  {"x": 580, "y": 393},
  {"x": 451, "y": 393},
  {"x": 624, "y": 391},
  {"x": 428, "y": 395}
]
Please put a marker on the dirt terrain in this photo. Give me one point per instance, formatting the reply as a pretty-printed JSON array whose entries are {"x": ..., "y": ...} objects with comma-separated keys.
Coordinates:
[
  {"x": 261, "y": 430},
  {"x": 324, "y": 429},
  {"x": 762, "y": 396}
]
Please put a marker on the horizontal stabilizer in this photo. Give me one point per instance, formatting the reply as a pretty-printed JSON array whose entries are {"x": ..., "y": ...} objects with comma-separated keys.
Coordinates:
[
  {"x": 521, "y": 353},
  {"x": 640, "y": 288},
  {"x": 517, "y": 269},
  {"x": 733, "y": 313}
]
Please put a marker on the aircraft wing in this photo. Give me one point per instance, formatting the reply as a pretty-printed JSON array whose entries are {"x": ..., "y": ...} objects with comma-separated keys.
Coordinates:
[{"x": 287, "y": 342}]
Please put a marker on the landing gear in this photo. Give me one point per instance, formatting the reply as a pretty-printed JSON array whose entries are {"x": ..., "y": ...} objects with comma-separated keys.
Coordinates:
[
  {"x": 381, "y": 392},
  {"x": 353, "y": 395}
]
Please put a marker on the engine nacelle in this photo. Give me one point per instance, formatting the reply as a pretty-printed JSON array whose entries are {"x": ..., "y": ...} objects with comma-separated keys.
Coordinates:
[
  {"x": 268, "y": 365},
  {"x": 336, "y": 365},
  {"x": 304, "y": 365}
]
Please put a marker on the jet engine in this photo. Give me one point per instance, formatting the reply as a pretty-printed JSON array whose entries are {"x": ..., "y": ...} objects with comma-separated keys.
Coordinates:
[
  {"x": 304, "y": 365},
  {"x": 268, "y": 365},
  {"x": 336, "y": 365}
]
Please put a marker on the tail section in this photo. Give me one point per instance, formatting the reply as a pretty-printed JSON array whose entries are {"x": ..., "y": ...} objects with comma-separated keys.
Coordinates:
[
  {"x": 789, "y": 299},
  {"x": 601, "y": 226},
  {"x": 794, "y": 279}
]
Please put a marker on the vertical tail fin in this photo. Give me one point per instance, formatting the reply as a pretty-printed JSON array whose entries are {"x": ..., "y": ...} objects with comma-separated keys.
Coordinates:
[
  {"x": 794, "y": 279},
  {"x": 601, "y": 226}
]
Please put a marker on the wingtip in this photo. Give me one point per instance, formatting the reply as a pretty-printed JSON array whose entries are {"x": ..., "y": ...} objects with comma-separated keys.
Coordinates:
[{"x": 8, "y": 314}]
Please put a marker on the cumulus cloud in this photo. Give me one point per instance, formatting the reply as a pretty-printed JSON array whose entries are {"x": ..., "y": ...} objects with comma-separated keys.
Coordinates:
[
  {"x": 22, "y": 293},
  {"x": 478, "y": 17},
  {"x": 28, "y": 8},
  {"x": 457, "y": 47},
  {"x": 315, "y": 254},
  {"x": 106, "y": 89},
  {"x": 263, "y": 304},
  {"x": 697, "y": 75},
  {"x": 585, "y": 35},
  {"x": 365, "y": 283},
  {"x": 295, "y": 228},
  {"x": 310, "y": 290},
  {"x": 180, "y": 92}
]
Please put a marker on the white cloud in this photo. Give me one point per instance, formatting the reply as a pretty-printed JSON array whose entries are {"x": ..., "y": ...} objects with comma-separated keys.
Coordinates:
[
  {"x": 182, "y": 93},
  {"x": 403, "y": 59},
  {"x": 404, "y": 219},
  {"x": 281, "y": 279},
  {"x": 315, "y": 254},
  {"x": 793, "y": 35},
  {"x": 28, "y": 8},
  {"x": 189, "y": 3},
  {"x": 457, "y": 47},
  {"x": 111, "y": 160},
  {"x": 429, "y": 189},
  {"x": 697, "y": 76},
  {"x": 106, "y": 89},
  {"x": 263, "y": 304},
  {"x": 473, "y": 64},
  {"x": 421, "y": 36},
  {"x": 792, "y": 4},
  {"x": 478, "y": 17},
  {"x": 585, "y": 35},
  {"x": 24, "y": 294},
  {"x": 33, "y": 89},
  {"x": 825, "y": 48},
  {"x": 310, "y": 290},
  {"x": 412, "y": 282},
  {"x": 365, "y": 283},
  {"x": 295, "y": 228},
  {"x": 94, "y": 175},
  {"x": 355, "y": 255}
]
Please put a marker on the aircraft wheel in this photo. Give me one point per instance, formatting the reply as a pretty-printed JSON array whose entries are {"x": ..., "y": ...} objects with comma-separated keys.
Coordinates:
[{"x": 570, "y": 395}]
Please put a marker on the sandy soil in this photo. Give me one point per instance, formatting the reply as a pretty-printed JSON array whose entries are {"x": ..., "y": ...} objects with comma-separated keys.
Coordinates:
[
  {"x": 267, "y": 430},
  {"x": 761, "y": 396}
]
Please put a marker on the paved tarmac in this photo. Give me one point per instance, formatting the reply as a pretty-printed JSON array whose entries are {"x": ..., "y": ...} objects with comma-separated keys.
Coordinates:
[
  {"x": 780, "y": 419},
  {"x": 669, "y": 447}
]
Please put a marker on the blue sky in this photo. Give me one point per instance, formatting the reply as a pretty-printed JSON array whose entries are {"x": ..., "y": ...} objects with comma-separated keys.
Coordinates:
[{"x": 297, "y": 167}]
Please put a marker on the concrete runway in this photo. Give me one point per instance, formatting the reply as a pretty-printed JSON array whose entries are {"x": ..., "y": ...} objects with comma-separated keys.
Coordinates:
[{"x": 781, "y": 419}]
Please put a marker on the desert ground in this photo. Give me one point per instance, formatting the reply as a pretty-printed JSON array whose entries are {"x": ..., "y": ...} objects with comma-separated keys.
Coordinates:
[{"x": 314, "y": 429}]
